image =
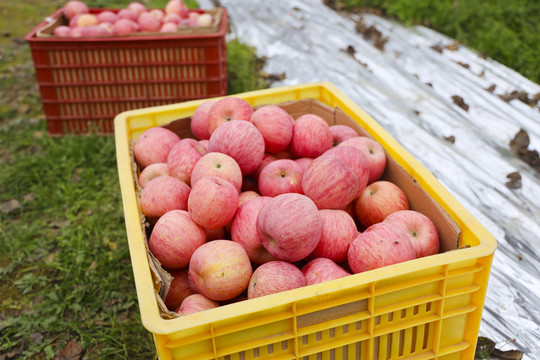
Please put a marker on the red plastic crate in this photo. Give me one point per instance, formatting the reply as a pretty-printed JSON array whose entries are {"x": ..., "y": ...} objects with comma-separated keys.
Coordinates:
[{"x": 85, "y": 82}]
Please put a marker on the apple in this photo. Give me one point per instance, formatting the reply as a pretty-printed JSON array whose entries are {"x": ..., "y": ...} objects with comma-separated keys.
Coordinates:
[
  {"x": 174, "y": 238},
  {"x": 338, "y": 232},
  {"x": 127, "y": 14},
  {"x": 378, "y": 200},
  {"x": 275, "y": 277},
  {"x": 168, "y": 27},
  {"x": 183, "y": 157},
  {"x": 148, "y": 22},
  {"x": 227, "y": 109},
  {"x": 212, "y": 202},
  {"x": 152, "y": 171},
  {"x": 87, "y": 20},
  {"x": 241, "y": 140},
  {"x": 204, "y": 20},
  {"x": 176, "y": 7},
  {"x": 304, "y": 163},
  {"x": 123, "y": 27},
  {"x": 289, "y": 226},
  {"x": 220, "y": 165},
  {"x": 322, "y": 269},
  {"x": 355, "y": 160},
  {"x": 158, "y": 14},
  {"x": 380, "y": 245},
  {"x": 244, "y": 230},
  {"x": 275, "y": 125},
  {"x": 178, "y": 290},
  {"x": 62, "y": 30},
  {"x": 74, "y": 7},
  {"x": 107, "y": 16},
  {"x": 173, "y": 18},
  {"x": 330, "y": 183},
  {"x": 195, "y": 303},
  {"x": 136, "y": 7},
  {"x": 199, "y": 120},
  {"x": 280, "y": 177},
  {"x": 311, "y": 136},
  {"x": 154, "y": 145},
  {"x": 247, "y": 195},
  {"x": 220, "y": 270},
  {"x": 340, "y": 133},
  {"x": 422, "y": 231},
  {"x": 374, "y": 152},
  {"x": 267, "y": 159},
  {"x": 76, "y": 31},
  {"x": 163, "y": 194}
]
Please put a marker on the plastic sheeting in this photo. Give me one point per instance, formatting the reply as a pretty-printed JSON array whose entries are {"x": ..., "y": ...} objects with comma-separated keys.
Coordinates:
[{"x": 410, "y": 88}]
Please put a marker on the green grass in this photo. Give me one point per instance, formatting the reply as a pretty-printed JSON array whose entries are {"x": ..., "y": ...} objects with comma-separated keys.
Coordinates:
[
  {"x": 65, "y": 270},
  {"x": 506, "y": 31}
]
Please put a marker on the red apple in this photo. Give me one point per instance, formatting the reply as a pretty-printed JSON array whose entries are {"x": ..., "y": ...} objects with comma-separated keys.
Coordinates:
[
  {"x": 183, "y": 157},
  {"x": 330, "y": 183},
  {"x": 219, "y": 165},
  {"x": 247, "y": 195},
  {"x": 227, "y": 109},
  {"x": 136, "y": 7},
  {"x": 275, "y": 125},
  {"x": 199, "y": 120},
  {"x": 304, "y": 162},
  {"x": 163, "y": 194},
  {"x": 338, "y": 232},
  {"x": 123, "y": 27},
  {"x": 128, "y": 14},
  {"x": 154, "y": 145},
  {"x": 148, "y": 22},
  {"x": 205, "y": 19},
  {"x": 176, "y": 7},
  {"x": 280, "y": 177},
  {"x": 275, "y": 277},
  {"x": 380, "y": 245},
  {"x": 322, "y": 269},
  {"x": 267, "y": 159},
  {"x": 374, "y": 152},
  {"x": 174, "y": 238},
  {"x": 289, "y": 226},
  {"x": 168, "y": 27},
  {"x": 152, "y": 171},
  {"x": 244, "y": 230},
  {"x": 62, "y": 30},
  {"x": 212, "y": 202},
  {"x": 355, "y": 160},
  {"x": 75, "y": 7},
  {"x": 422, "y": 231},
  {"x": 195, "y": 303},
  {"x": 378, "y": 200},
  {"x": 311, "y": 136},
  {"x": 87, "y": 20},
  {"x": 178, "y": 290},
  {"x": 340, "y": 133},
  {"x": 220, "y": 270},
  {"x": 241, "y": 140},
  {"x": 107, "y": 16}
]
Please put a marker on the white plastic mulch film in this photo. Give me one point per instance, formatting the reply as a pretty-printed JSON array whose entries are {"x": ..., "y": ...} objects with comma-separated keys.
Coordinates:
[{"x": 449, "y": 107}]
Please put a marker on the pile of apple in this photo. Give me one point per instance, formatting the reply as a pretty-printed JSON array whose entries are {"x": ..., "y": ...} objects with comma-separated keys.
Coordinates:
[
  {"x": 258, "y": 203},
  {"x": 132, "y": 19}
]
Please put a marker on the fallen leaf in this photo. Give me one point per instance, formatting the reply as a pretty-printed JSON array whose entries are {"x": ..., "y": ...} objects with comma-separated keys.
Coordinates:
[
  {"x": 72, "y": 351},
  {"x": 514, "y": 180},
  {"x": 10, "y": 206},
  {"x": 458, "y": 100}
]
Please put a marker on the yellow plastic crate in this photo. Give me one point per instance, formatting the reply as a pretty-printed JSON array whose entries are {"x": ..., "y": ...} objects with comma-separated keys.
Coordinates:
[{"x": 428, "y": 308}]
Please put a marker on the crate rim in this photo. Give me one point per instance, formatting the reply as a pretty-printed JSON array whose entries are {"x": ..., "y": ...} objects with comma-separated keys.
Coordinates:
[
  {"x": 152, "y": 319},
  {"x": 31, "y": 37}
]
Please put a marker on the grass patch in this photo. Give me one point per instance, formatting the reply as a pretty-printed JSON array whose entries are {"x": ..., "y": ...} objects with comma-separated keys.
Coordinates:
[
  {"x": 506, "y": 31},
  {"x": 66, "y": 280}
]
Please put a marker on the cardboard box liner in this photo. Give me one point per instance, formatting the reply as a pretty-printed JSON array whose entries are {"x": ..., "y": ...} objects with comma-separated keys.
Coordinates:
[
  {"x": 419, "y": 200},
  {"x": 47, "y": 31}
]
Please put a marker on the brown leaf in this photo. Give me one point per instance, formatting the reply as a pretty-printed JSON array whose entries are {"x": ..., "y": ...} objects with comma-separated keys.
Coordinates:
[
  {"x": 10, "y": 206},
  {"x": 453, "y": 46},
  {"x": 72, "y": 351},
  {"x": 514, "y": 180},
  {"x": 458, "y": 100}
]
